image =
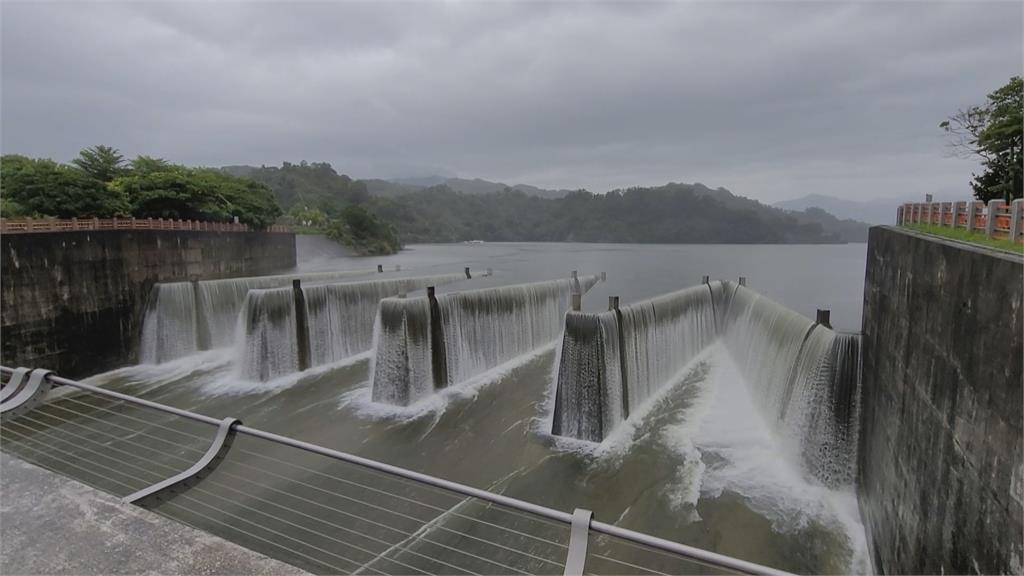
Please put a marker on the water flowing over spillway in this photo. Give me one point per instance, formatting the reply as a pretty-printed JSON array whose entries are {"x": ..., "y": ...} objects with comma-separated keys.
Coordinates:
[
  {"x": 615, "y": 360},
  {"x": 339, "y": 321},
  {"x": 183, "y": 318},
  {"x": 804, "y": 376},
  {"x": 426, "y": 345}
]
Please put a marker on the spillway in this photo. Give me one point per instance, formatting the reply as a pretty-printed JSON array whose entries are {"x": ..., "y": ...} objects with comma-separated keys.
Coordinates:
[
  {"x": 183, "y": 318},
  {"x": 426, "y": 344},
  {"x": 338, "y": 323},
  {"x": 804, "y": 376}
]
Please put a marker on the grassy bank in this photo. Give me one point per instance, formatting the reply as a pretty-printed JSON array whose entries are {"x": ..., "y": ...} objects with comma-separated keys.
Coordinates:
[{"x": 964, "y": 235}]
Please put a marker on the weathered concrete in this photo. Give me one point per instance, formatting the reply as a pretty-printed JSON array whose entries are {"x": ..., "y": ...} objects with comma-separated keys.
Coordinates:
[
  {"x": 941, "y": 471},
  {"x": 50, "y": 524},
  {"x": 73, "y": 301}
]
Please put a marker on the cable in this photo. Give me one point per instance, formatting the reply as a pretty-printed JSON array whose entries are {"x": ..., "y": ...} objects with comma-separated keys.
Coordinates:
[
  {"x": 310, "y": 530},
  {"x": 153, "y": 424},
  {"x": 333, "y": 569},
  {"x": 624, "y": 563},
  {"x": 46, "y": 453},
  {"x": 463, "y": 534},
  {"x": 226, "y": 513},
  {"x": 388, "y": 494}
]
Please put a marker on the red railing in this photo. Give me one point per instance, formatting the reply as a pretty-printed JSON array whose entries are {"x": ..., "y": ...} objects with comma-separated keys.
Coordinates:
[
  {"x": 26, "y": 225},
  {"x": 997, "y": 219}
]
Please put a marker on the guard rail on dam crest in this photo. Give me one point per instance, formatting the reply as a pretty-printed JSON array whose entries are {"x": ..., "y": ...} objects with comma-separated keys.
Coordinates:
[
  {"x": 996, "y": 219},
  {"x": 28, "y": 225},
  {"x": 332, "y": 512}
]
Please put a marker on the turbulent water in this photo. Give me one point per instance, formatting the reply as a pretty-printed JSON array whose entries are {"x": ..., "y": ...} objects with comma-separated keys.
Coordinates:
[
  {"x": 424, "y": 346},
  {"x": 183, "y": 318},
  {"x": 804, "y": 375},
  {"x": 699, "y": 462},
  {"x": 339, "y": 323}
]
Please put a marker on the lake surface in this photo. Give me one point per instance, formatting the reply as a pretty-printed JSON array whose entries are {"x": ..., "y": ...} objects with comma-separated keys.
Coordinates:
[{"x": 697, "y": 464}]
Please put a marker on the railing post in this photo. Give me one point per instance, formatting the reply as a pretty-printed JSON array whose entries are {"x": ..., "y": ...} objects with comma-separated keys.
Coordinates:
[
  {"x": 972, "y": 213},
  {"x": 990, "y": 217},
  {"x": 27, "y": 397},
  {"x": 468, "y": 275},
  {"x": 604, "y": 276},
  {"x": 579, "y": 537},
  {"x": 942, "y": 214},
  {"x": 743, "y": 280},
  {"x": 1016, "y": 214},
  {"x": 182, "y": 481}
]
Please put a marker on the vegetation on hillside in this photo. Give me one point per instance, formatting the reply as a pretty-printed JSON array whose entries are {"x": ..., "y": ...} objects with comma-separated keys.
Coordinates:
[
  {"x": 316, "y": 198},
  {"x": 100, "y": 183},
  {"x": 993, "y": 132},
  {"x": 321, "y": 201},
  {"x": 675, "y": 213}
]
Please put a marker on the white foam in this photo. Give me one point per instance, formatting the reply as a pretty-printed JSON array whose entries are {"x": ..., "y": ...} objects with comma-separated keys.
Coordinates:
[{"x": 757, "y": 463}]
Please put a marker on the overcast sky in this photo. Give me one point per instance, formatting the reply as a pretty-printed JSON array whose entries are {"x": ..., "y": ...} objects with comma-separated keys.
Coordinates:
[{"x": 772, "y": 100}]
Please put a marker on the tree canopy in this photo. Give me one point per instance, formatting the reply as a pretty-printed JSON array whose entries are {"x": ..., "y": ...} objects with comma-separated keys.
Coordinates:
[
  {"x": 100, "y": 184},
  {"x": 993, "y": 132},
  {"x": 100, "y": 162}
]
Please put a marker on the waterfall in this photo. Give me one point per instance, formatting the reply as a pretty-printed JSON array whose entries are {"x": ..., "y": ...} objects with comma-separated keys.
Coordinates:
[
  {"x": 269, "y": 347},
  {"x": 614, "y": 361},
  {"x": 169, "y": 328},
  {"x": 401, "y": 364},
  {"x": 185, "y": 317},
  {"x": 339, "y": 320},
  {"x": 426, "y": 345},
  {"x": 804, "y": 376}
]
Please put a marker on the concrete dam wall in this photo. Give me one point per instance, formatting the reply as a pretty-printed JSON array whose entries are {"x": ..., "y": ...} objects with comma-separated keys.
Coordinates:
[
  {"x": 940, "y": 476},
  {"x": 73, "y": 301}
]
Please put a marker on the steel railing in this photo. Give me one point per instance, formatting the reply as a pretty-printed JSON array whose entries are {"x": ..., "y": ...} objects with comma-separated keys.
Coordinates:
[
  {"x": 29, "y": 225},
  {"x": 322, "y": 509}
]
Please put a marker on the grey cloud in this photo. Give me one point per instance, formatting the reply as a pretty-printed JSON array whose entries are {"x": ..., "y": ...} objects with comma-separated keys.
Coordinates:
[{"x": 772, "y": 100}]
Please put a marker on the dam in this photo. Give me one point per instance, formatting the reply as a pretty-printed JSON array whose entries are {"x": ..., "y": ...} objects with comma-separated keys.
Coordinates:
[
  {"x": 804, "y": 376},
  {"x": 710, "y": 414}
]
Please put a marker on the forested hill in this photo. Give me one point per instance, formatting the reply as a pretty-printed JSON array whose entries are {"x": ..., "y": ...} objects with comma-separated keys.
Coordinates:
[
  {"x": 378, "y": 187},
  {"x": 675, "y": 213},
  {"x": 482, "y": 210}
]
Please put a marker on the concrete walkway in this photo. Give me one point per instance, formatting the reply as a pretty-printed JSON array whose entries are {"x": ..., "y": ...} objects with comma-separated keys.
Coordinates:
[{"x": 50, "y": 524}]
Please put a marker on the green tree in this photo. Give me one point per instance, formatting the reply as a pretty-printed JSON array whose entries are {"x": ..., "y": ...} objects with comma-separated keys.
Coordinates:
[
  {"x": 100, "y": 162},
  {"x": 993, "y": 132},
  {"x": 40, "y": 187},
  {"x": 148, "y": 164},
  {"x": 361, "y": 230}
]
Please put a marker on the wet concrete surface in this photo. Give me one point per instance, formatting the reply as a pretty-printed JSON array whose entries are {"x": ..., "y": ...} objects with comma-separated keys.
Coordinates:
[{"x": 50, "y": 524}]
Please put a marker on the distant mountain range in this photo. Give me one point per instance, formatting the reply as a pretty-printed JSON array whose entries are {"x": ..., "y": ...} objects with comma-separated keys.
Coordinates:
[
  {"x": 878, "y": 211},
  {"x": 399, "y": 186},
  {"x": 446, "y": 209}
]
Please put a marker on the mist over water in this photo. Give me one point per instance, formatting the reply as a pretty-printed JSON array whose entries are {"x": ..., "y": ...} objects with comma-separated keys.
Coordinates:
[{"x": 696, "y": 461}]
